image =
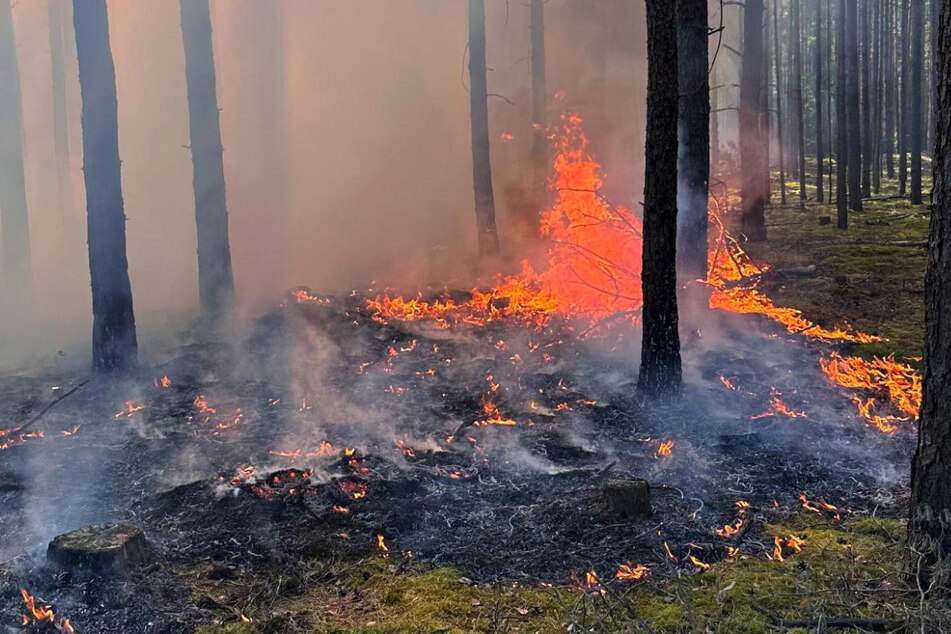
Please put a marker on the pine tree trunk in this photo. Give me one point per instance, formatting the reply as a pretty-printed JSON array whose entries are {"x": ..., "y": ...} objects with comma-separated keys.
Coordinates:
[
  {"x": 777, "y": 58},
  {"x": 904, "y": 105},
  {"x": 877, "y": 102},
  {"x": 853, "y": 108},
  {"x": 113, "y": 340},
  {"x": 866, "y": 77},
  {"x": 798, "y": 99},
  {"x": 841, "y": 145},
  {"x": 539, "y": 110},
  {"x": 479, "y": 109},
  {"x": 215, "y": 276},
  {"x": 715, "y": 123},
  {"x": 15, "y": 264},
  {"x": 829, "y": 109},
  {"x": 891, "y": 82},
  {"x": 820, "y": 150},
  {"x": 931, "y": 468},
  {"x": 57, "y": 14},
  {"x": 660, "y": 374},
  {"x": 751, "y": 134},
  {"x": 694, "y": 148},
  {"x": 916, "y": 97}
]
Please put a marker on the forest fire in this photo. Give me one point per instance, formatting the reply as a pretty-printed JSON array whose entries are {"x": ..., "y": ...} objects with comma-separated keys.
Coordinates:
[
  {"x": 42, "y": 615},
  {"x": 897, "y": 382}
]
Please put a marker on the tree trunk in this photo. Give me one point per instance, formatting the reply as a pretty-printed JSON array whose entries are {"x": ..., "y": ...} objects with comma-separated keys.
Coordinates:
[
  {"x": 215, "y": 276},
  {"x": 866, "y": 95},
  {"x": 916, "y": 97},
  {"x": 777, "y": 58},
  {"x": 820, "y": 150},
  {"x": 479, "y": 109},
  {"x": 829, "y": 59},
  {"x": 58, "y": 11},
  {"x": 903, "y": 108},
  {"x": 694, "y": 131},
  {"x": 539, "y": 110},
  {"x": 931, "y": 468},
  {"x": 715, "y": 123},
  {"x": 877, "y": 101},
  {"x": 113, "y": 338},
  {"x": 841, "y": 136},
  {"x": 798, "y": 99},
  {"x": 853, "y": 108},
  {"x": 660, "y": 374},
  {"x": 15, "y": 265},
  {"x": 891, "y": 82},
  {"x": 751, "y": 135}
]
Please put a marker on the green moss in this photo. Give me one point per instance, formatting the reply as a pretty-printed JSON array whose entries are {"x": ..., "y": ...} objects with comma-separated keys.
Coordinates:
[{"x": 231, "y": 628}]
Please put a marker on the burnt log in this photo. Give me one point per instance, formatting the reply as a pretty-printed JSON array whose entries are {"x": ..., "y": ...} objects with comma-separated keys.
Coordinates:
[
  {"x": 100, "y": 548},
  {"x": 627, "y": 497}
]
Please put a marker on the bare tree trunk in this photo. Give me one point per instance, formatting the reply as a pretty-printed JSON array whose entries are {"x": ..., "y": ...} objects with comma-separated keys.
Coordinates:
[
  {"x": 866, "y": 96},
  {"x": 479, "y": 108},
  {"x": 829, "y": 110},
  {"x": 877, "y": 102},
  {"x": 660, "y": 375},
  {"x": 891, "y": 82},
  {"x": 820, "y": 150},
  {"x": 916, "y": 97},
  {"x": 931, "y": 468},
  {"x": 58, "y": 12},
  {"x": 114, "y": 344},
  {"x": 853, "y": 108},
  {"x": 779, "y": 104},
  {"x": 215, "y": 276},
  {"x": 798, "y": 99},
  {"x": 841, "y": 145},
  {"x": 694, "y": 133},
  {"x": 751, "y": 135},
  {"x": 903, "y": 108},
  {"x": 539, "y": 109},
  {"x": 715, "y": 123},
  {"x": 15, "y": 264}
]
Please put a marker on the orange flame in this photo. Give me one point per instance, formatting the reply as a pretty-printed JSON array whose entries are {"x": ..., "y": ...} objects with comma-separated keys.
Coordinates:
[
  {"x": 664, "y": 449},
  {"x": 630, "y": 572}
]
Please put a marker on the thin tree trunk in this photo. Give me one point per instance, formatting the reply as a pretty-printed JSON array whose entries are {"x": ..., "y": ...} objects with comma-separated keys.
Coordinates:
[
  {"x": 539, "y": 109},
  {"x": 820, "y": 156},
  {"x": 829, "y": 109},
  {"x": 903, "y": 108},
  {"x": 877, "y": 103},
  {"x": 779, "y": 104},
  {"x": 694, "y": 132},
  {"x": 796, "y": 29},
  {"x": 114, "y": 344},
  {"x": 841, "y": 145},
  {"x": 931, "y": 468},
  {"x": 715, "y": 123},
  {"x": 891, "y": 82},
  {"x": 479, "y": 108},
  {"x": 866, "y": 94},
  {"x": 853, "y": 108},
  {"x": 660, "y": 374},
  {"x": 751, "y": 137},
  {"x": 57, "y": 13},
  {"x": 15, "y": 264},
  {"x": 215, "y": 276},
  {"x": 916, "y": 101}
]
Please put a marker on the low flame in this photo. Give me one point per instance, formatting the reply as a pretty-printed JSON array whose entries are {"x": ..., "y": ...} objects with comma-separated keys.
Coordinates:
[
  {"x": 630, "y": 572},
  {"x": 665, "y": 449}
]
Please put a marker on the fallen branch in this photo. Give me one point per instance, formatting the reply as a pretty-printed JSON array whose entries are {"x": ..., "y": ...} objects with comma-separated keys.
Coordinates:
[{"x": 50, "y": 406}]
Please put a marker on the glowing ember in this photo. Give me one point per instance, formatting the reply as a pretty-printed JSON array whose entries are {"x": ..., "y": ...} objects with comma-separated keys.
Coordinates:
[
  {"x": 819, "y": 507},
  {"x": 381, "y": 545},
  {"x": 130, "y": 409},
  {"x": 664, "y": 449},
  {"x": 355, "y": 490},
  {"x": 778, "y": 408},
  {"x": 630, "y": 572},
  {"x": 729, "y": 530}
]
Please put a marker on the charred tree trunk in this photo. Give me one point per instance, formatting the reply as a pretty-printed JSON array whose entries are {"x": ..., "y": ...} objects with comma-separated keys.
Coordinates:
[
  {"x": 841, "y": 136},
  {"x": 694, "y": 147},
  {"x": 539, "y": 109},
  {"x": 479, "y": 112},
  {"x": 777, "y": 62},
  {"x": 660, "y": 374},
  {"x": 752, "y": 159},
  {"x": 58, "y": 11},
  {"x": 853, "y": 107},
  {"x": 931, "y": 468},
  {"x": 820, "y": 150},
  {"x": 15, "y": 264},
  {"x": 215, "y": 276},
  {"x": 916, "y": 97},
  {"x": 796, "y": 28},
  {"x": 114, "y": 344},
  {"x": 866, "y": 77}
]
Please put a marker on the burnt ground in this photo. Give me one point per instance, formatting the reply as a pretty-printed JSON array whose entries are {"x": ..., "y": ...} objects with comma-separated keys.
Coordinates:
[{"x": 499, "y": 502}]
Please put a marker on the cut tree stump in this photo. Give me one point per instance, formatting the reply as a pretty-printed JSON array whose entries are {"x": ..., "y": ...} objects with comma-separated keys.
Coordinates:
[
  {"x": 628, "y": 497},
  {"x": 100, "y": 548}
]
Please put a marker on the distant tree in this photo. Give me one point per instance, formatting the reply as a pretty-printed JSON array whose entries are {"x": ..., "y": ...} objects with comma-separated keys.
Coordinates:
[
  {"x": 798, "y": 105},
  {"x": 539, "y": 108},
  {"x": 15, "y": 265},
  {"x": 479, "y": 110},
  {"x": 660, "y": 374},
  {"x": 877, "y": 95},
  {"x": 891, "y": 88},
  {"x": 820, "y": 145},
  {"x": 931, "y": 469},
  {"x": 916, "y": 97},
  {"x": 114, "y": 344},
  {"x": 752, "y": 138},
  {"x": 865, "y": 74},
  {"x": 853, "y": 106},
  {"x": 694, "y": 147},
  {"x": 777, "y": 62},
  {"x": 841, "y": 134},
  {"x": 215, "y": 276},
  {"x": 58, "y": 14},
  {"x": 903, "y": 108}
]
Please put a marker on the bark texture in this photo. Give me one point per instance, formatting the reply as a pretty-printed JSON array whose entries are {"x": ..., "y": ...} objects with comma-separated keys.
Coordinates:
[
  {"x": 479, "y": 112},
  {"x": 753, "y": 159},
  {"x": 114, "y": 344},
  {"x": 660, "y": 375},
  {"x": 841, "y": 135},
  {"x": 820, "y": 141}
]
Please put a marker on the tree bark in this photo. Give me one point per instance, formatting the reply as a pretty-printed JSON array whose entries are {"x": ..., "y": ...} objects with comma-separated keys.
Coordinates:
[
  {"x": 866, "y": 93},
  {"x": 58, "y": 11},
  {"x": 877, "y": 100},
  {"x": 798, "y": 99},
  {"x": 820, "y": 150},
  {"x": 777, "y": 63},
  {"x": 15, "y": 258},
  {"x": 114, "y": 344},
  {"x": 829, "y": 88},
  {"x": 853, "y": 108},
  {"x": 903, "y": 108},
  {"x": 891, "y": 82},
  {"x": 841, "y": 145},
  {"x": 539, "y": 109},
  {"x": 694, "y": 131},
  {"x": 753, "y": 161},
  {"x": 916, "y": 101},
  {"x": 931, "y": 469},
  {"x": 660, "y": 373},
  {"x": 215, "y": 276},
  {"x": 479, "y": 112}
]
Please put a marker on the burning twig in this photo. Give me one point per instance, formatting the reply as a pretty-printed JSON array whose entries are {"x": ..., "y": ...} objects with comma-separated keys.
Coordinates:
[{"x": 36, "y": 417}]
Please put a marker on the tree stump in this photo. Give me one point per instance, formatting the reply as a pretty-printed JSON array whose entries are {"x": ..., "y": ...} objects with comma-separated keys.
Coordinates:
[
  {"x": 100, "y": 548},
  {"x": 628, "y": 497}
]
